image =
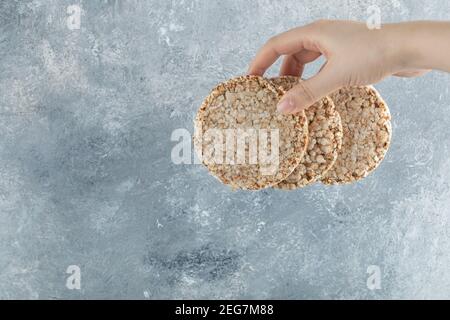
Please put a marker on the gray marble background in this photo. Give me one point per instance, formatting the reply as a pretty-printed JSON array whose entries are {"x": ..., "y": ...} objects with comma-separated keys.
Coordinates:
[{"x": 86, "y": 176}]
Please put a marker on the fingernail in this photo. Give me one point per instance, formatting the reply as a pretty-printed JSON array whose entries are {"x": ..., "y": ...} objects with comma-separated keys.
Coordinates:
[{"x": 286, "y": 105}]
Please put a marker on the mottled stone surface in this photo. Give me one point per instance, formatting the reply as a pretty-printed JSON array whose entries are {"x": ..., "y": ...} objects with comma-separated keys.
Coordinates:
[{"x": 86, "y": 176}]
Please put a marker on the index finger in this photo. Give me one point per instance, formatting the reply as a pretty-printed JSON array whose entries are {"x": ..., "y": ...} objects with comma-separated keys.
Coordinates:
[{"x": 288, "y": 42}]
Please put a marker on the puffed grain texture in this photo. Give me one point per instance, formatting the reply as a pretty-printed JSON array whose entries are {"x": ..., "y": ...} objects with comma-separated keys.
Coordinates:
[
  {"x": 249, "y": 102},
  {"x": 325, "y": 139},
  {"x": 367, "y": 134}
]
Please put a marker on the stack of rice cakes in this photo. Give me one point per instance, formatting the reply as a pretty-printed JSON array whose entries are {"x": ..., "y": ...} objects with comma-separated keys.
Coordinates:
[{"x": 339, "y": 140}]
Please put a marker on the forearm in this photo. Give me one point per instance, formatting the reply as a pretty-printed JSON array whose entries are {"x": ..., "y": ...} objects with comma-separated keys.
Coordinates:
[{"x": 420, "y": 45}]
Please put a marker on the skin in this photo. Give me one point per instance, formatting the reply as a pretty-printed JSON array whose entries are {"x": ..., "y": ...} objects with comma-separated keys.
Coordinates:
[{"x": 355, "y": 55}]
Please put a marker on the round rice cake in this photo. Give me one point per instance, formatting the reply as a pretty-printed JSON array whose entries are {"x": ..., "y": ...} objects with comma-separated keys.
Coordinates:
[
  {"x": 367, "y": 134},
  {"x": 244, "y": 110},
  {"x": 325, "y": 139}
]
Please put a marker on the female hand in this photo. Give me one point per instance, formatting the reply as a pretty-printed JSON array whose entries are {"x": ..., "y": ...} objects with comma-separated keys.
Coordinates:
[{"x": 355, "y": 55}]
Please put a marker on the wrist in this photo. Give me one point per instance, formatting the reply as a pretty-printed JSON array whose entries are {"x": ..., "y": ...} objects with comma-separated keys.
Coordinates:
[{"x": 403, "y": 46}]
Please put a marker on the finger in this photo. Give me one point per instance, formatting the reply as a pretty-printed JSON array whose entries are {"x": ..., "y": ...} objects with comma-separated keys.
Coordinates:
[
  {"x": 289, "y": 42},
  {"x": 291, "y": 66},
  {"x": 294, "y": 64},
  {"x": 411, "y": 74},
  {"x": 306, "y": 93}
]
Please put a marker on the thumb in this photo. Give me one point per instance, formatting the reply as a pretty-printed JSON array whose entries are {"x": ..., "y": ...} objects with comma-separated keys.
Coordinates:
[{"x": 308, "y": 92}]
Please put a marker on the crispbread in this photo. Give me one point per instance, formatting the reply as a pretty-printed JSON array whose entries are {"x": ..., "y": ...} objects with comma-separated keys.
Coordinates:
[
  {"x": 243, "y": 103},
  {"x": 367, "y": 134},
  {"x": 325, "y": 138}
]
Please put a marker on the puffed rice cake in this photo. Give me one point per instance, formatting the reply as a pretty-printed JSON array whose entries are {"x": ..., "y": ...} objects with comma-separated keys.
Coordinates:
[
  {"x": 325, "y": 139},
  {"x": 367, "y": 134},
  {"x": 248, "y": 102}
]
